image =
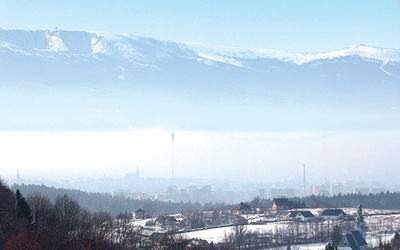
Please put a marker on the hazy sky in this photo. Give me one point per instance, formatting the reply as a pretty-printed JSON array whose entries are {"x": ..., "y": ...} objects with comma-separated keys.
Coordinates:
[{"x": 301, "y": 26}]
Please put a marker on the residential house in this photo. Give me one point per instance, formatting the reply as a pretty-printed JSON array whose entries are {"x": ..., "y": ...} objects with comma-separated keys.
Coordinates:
[
  {"x": 197, "y": 244},
  {"x": 333, "y": 214},
  {"x": 139, "y": 214},
  {"x": 281, "y": 204},
  {"x": 170, "y": 221},
  {"x": 242, "y": 208},
  {"x": 286, "y": 204},
  {"x": 166, "y": 221},
  {"x": 159, "y": 221},
  {"x": 352, "y": 241},
  {"x": 301, "y": 215}
]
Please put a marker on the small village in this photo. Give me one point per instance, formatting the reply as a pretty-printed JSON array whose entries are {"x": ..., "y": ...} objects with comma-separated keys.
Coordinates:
[{"x": 285, "y": 224}]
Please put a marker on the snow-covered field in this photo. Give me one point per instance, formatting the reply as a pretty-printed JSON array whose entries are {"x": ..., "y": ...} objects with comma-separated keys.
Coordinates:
[{"x": 381, "y": 225}]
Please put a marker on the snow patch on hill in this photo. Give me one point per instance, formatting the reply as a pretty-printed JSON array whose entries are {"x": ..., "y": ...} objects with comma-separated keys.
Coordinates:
[
  {"x": 98, "y": 44},
  {"x": 55, "y": 42},
  {"x": 235, "y": 54},
  {"x": 378, "y": 54},
  {"x": 362, "y": 51}
]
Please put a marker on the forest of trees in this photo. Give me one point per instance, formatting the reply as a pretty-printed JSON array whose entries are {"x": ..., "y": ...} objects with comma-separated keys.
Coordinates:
[
  {"x": 119, "y": 204},
  {"x": 38, "y": 222},
  {"x": 40, "y": 217},
  {"x": 115, "y": 205},
  {"x": 382, "y": 200}
]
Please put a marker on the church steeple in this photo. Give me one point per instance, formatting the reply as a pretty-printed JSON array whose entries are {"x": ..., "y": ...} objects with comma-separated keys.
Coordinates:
[
  {"x": 360, "y": 216},
  {"x": 360, "y": 223}
]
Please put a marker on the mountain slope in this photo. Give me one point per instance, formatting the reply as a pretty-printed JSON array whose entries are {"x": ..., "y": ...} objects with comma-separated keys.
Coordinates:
[
  {"x": 60, "y": 79},
  {"x": 134, "y": 49}
]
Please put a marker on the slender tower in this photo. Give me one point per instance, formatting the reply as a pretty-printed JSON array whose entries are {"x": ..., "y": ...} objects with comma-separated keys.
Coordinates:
[
  {"x": 304, "y": 179},
  {"x": 18, "y": 175},
  {"x": 172, "y": 155},
  {"x": 360, "y": 222}
]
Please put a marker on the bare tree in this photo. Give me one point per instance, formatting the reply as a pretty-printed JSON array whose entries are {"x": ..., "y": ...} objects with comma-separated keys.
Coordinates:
[
  {"x": 44, "y": 220},
  {"x": 239, "y": 233},
  {"x": 126, "y": 235},
  {"x": 172, "y": 240}
]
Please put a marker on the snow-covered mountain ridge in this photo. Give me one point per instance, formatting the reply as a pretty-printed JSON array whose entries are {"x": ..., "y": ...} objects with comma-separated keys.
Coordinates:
[
  {"x": 62, "y": 79},
  {"x": 362, "y": 51},
  {"x": 48, "y": 43}
]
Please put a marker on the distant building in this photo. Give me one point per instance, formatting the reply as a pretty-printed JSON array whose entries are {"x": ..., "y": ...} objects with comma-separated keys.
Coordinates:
[
  {"x": 139, "y": 214},
  {"x": 333, "y": 214},
  {"x": 301, "y": 215},
  {"x": 361, "y": 190},
  {"x": 202, "y": 195},
  {"x": 285, "y": 204},
  {"x": 131, "y": 178},
  {"x": 172, "y": 189},
  {"x": 336, "y": 189},
  {"x": 166, "y": 221},
  {"x": 319, "y": 190},
  {"x": 242, "y": 208},
  {"x": 282, "y": 192},
  {"x": 261, "y": 193},
  {"x": 197, "y": 244},
  {"x": 378, "y": 190},
  {"x": 281, "y": 204}
]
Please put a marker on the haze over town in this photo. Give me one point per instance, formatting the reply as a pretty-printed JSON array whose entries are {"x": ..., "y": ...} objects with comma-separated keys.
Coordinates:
[{"x": 259, "y": 156}]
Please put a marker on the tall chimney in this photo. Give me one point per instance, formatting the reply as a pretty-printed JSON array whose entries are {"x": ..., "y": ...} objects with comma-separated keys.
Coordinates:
[
  {"x": 172, "y": 155},
  {"x": 304, "y": 179}
]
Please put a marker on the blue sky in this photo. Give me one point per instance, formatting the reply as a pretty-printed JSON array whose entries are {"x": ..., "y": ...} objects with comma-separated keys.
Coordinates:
[
  {"x": 297, "y": 25},
  {"x": 301, "y": 26}
]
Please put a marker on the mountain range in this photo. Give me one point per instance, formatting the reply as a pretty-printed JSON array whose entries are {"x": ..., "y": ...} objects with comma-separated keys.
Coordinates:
[{"x": 85, "y": 80}]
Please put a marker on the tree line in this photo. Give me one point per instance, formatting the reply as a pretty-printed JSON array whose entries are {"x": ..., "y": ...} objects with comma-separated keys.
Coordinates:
[
  {"x": 119, "y": 205},
  {"x": 61, "y": 220},
  {"x": 383, "y": 200},
  {"x": 116, "y": 204}
]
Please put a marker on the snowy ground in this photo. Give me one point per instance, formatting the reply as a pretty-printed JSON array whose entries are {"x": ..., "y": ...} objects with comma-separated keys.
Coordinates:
[
  {"x": 381, "y": 225},
  {"x": 315, "y": 246}
]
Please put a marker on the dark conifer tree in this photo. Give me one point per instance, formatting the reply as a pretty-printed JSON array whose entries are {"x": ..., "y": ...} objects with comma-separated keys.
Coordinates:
[
  {"x": 24, "y": 211},
  {"x": 7, "y": 212}
]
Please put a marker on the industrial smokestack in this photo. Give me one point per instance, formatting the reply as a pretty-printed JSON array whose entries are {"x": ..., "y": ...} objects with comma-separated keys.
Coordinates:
[
  {"x": 172, "y": 155},
  {"x": 304, "y": 179}
]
